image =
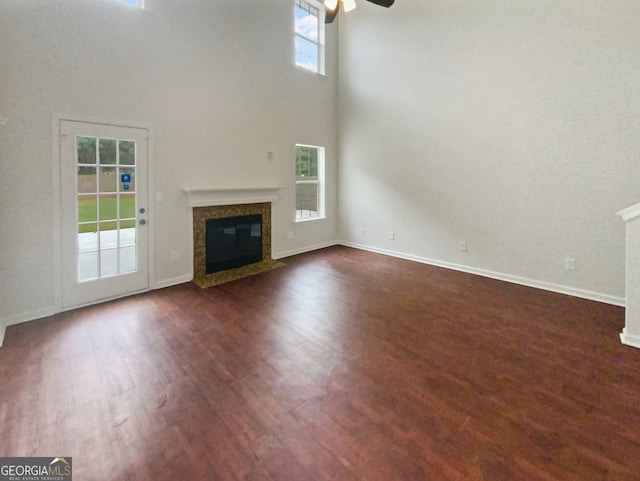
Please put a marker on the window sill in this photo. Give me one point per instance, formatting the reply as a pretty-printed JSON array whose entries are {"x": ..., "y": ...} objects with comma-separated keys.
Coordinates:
[
  {"x": 310, "y": 219},
  {"x": 310, "y": 72}
]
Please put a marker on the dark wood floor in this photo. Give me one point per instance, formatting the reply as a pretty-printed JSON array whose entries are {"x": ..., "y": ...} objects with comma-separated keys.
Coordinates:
[{"x": 343, "y": 365}]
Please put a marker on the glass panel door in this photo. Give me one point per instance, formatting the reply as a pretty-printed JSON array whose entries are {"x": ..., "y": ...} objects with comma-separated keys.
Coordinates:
[{"x": 104, "y": 211}]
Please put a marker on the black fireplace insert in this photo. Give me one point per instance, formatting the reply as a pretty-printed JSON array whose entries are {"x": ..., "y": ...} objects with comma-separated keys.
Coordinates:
[{"x": 233, "y": 242}]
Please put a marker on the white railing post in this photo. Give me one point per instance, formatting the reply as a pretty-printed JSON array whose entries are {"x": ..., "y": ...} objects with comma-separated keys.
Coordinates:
[{"x": 631, "y": 333}]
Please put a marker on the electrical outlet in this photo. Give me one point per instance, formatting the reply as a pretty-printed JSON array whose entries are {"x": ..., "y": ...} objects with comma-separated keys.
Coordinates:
[
  {"x": 392, "y": 235},
  {"x": 362, "y": 231},
  {"x": 175, "y": 255},
  {"x": 462, "y": 245},
  {"x": 570, "y": 264}
]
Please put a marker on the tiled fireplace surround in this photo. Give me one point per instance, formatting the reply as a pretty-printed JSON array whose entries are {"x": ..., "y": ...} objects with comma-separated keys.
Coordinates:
[{"x": 220, "y": 203}]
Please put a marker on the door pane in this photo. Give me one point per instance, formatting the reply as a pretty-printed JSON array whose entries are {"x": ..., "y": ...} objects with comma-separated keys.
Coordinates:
[
  {"x": 127, "y": 152},
  {"x": 108, "y": 238},
  {"x": 87, "y": 180},
  {"x": 127, "y": 235},
  {"x": 108, "y": 262},
  {"x": 87, "y": 237},
  {"x": 87, "y": 208},
  {"x": 107, "y": 150},
  {"x": 127, "y": 179},
  {"x": 127, "y": 206},
  {"x": 128, "y": 259},
  {"x": 107, "y": 179},
  {"x": 109, "y": 207},
  {"x": 86, "y": 147},
  {"x": 87, "y": 266}
]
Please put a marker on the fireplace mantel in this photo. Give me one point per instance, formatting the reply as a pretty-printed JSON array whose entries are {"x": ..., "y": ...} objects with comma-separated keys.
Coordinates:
[{"x": 204, "y": 197}]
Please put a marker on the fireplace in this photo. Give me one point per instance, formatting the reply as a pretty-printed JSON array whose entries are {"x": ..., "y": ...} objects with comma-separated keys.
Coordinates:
[
  {"x": 230, "y": 242},
  {"x": 233, "y": 242}
]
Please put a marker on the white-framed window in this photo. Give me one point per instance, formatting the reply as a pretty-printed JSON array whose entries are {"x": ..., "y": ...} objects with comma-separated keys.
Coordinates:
[
  {"x": 134, "y": 3},
  {"x": 309, "y": 35},
  {"x": 309, "y": 182}
]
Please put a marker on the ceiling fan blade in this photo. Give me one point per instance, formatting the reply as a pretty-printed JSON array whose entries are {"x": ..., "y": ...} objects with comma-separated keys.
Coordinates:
[
  {"x": 382, "y": 3},
  {"x": 330, "y": 15}
]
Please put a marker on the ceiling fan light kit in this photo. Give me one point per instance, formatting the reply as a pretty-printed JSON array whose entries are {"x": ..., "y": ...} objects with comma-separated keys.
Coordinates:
[
  {"x": 348, "y": 5},
  {"x": 332, "y": 6}
]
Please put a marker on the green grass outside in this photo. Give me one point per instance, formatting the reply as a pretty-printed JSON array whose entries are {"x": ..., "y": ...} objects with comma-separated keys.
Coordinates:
[{"x": 88, "y": 212}]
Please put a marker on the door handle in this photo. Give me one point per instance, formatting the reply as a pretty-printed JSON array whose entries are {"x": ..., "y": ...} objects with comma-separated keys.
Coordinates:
[{"x": 142, "y": 222}]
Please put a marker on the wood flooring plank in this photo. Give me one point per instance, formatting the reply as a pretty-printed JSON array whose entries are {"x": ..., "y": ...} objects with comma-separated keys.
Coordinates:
[{"x": 342, "y": 365}]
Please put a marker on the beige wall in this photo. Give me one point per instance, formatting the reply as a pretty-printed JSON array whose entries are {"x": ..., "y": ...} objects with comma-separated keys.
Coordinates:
[
  {"x": 214, "y": 79},
  {"x": 512, "y": 125}
]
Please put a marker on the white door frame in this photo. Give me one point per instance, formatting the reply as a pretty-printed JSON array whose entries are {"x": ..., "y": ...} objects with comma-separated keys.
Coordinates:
[{"x": 56, "y": 178}]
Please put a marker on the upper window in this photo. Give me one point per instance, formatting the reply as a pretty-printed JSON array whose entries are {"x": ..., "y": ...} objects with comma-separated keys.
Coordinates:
[
  {"x": 135, "y": 3},
  {"x": 309, "y": 182},
  {"x": 309, "y": 36}
]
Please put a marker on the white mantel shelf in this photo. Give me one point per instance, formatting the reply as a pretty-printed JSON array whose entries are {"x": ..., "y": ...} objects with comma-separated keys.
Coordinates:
[
  {"x": 630, "y": 213},
  {"x": 204, "y": 197}
]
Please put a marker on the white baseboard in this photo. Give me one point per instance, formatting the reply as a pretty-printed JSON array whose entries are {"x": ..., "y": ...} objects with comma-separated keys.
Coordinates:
[
  {"x": 23, "y": 317},
  {"x": 302, "y": 250},
  {"x": 547, "y": 286},
  {"x": 50, "y": 311},
  {"x": 626, "y": 338},
  {"x": 629, "y": 339},
  {"x": 174, "y": 281},
  {"x": 28, "y": 316}
]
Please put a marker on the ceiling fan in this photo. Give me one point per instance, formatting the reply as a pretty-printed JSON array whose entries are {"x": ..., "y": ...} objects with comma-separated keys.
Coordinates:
[{"x": 332, "y": 7}]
